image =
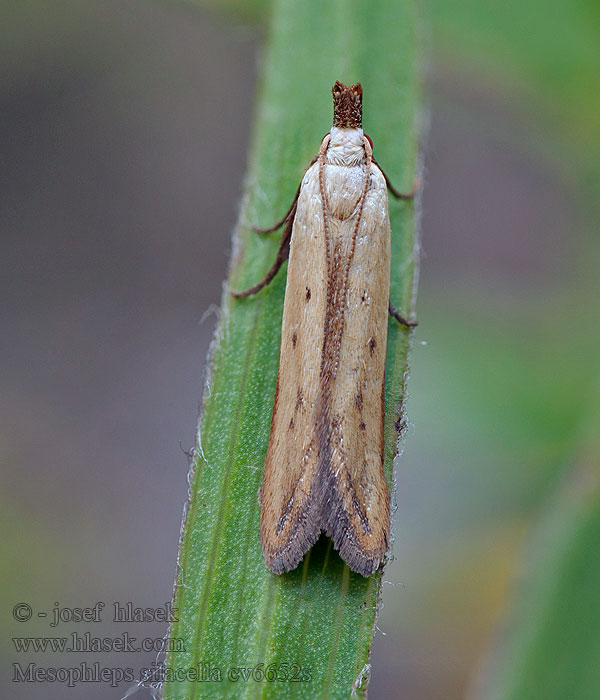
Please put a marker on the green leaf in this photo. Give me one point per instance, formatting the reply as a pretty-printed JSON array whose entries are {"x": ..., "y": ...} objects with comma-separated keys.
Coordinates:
[
  {"x": 550, "y": 645},
  {"x": 315, "y": 623}
]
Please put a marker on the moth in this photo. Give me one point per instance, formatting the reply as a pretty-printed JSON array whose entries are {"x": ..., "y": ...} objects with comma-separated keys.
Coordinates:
[{"x": 324, "y": 463}]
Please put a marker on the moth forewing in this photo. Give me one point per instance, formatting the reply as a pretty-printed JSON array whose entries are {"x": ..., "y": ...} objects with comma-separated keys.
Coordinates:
[
  {"x": 290, "y": 513},
  {"x": 357, "y": 406},
  {"x": 324, "y": 464}
]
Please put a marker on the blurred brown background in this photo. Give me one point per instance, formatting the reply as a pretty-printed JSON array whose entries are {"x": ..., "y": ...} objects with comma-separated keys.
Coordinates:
[{"x": 123, "y": 136}]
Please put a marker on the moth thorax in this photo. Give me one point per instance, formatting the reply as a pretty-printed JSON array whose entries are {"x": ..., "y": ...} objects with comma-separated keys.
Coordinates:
[
  {"x": 347, "y": 105},
  {"x": 346, "y": 146}
]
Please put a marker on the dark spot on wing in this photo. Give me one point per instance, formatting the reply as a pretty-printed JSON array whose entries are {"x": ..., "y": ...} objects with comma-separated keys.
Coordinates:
[
  {"x": 362, "y": 426},
  {"x": 294, "y": 339},
  {"x": 308, "y": 294},
  {"x": 284, "y": 516},
  {"x": 364, "y": 521},
  {"x": 372, "y": 346}
]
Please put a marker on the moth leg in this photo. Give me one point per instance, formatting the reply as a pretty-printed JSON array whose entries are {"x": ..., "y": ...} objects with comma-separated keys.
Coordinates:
[
  {"x": 282, "y": 255},
  {"x": 393, "y": 190},
  {"x": 290, "y": 212},
  {"x": 400, "y": 318}
]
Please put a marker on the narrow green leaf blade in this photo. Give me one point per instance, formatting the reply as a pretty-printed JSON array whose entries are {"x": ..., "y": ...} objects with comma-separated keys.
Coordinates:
[{"x": 306, "y": 634}]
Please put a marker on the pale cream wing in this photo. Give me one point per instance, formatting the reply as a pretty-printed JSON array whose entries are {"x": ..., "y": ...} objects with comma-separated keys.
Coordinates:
[
  {"x": 358, "y": 517},
  {"x": 290, "y": 521}
]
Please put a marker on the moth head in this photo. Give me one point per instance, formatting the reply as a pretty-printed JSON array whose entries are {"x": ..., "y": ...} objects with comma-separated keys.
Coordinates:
[{"x": 347, "y": 105}]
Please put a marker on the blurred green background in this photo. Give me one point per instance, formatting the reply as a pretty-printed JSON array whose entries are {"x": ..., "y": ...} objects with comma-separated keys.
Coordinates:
[{"x": 123, "y": 138}]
